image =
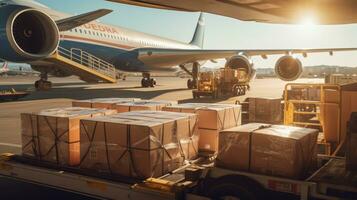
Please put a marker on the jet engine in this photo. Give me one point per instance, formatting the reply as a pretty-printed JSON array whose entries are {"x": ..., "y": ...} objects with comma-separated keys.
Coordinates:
[
  {"x": 243, "y": 63},
  {"x": 288, "y": 68},
  {"x": 26, "y": 34}
]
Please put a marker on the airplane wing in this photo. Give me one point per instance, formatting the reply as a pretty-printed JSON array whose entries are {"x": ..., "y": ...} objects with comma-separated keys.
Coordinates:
[
  {"x": 172, "y": 57},
  {"x": 270, "y": 11},
  {"x": 78, "y": 20}
]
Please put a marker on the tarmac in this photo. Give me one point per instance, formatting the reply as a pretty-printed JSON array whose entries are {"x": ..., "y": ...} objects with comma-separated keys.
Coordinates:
[{"x": 71, "y": 88}]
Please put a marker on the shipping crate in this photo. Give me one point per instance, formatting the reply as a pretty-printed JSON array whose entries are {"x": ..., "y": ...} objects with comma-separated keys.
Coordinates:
[
  {"x": 263, "y": 110},
  {"x": 138, "y": 144},
  {"x": 271, "y": 150},
  {"x": 211, "y": 119},
  {"x": 52, "y": 135}
]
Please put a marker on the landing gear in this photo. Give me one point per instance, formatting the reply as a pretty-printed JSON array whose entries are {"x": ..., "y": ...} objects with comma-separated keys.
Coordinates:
[
  {"x": 147, "y": 81},
  {"x": 43, "y": 83},
  {"x": 192, "y": 83},
  {"x": 240, "y": 90}
]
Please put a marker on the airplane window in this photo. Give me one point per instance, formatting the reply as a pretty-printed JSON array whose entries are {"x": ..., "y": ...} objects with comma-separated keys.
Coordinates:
[{"x": 80, "y": 30}]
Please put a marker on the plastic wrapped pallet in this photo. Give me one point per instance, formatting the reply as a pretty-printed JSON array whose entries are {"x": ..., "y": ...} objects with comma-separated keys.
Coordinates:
[
  {"x": 212, "y": 118},
  {"x": 153, "y": 105},
  {"x": 53, "y": 135},
  {"x": 107, "y": 103},
  {"x": 138, "y": 144},
  {"x": 264, "y": 110},
  {"x": 268, "y": 149}
]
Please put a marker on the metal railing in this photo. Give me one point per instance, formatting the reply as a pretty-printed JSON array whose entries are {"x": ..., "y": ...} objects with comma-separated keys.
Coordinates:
[{"x": 86, "y": 59}]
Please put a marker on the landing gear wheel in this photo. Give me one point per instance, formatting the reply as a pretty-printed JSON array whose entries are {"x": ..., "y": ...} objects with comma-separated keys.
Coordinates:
[
  {"x": 43, "y": 85},
  {"x": 145, "y": 83},
  {"x": 152, "y": 82},
  {"x": 191, "y": 84}
]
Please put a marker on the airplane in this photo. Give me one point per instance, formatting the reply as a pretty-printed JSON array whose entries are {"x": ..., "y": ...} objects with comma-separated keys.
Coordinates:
[
  {"x": 31, "y": 32},
  {"x": 4, "y": 69},
  {"x": 267, "y": 11}
]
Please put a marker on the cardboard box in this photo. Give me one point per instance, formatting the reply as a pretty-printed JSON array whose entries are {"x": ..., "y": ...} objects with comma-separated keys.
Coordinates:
[
  {"x": 277, "y": 151},
  {"x": 208, "y": 140},
  {"x": 138, "y": 144},
  {"x": 156, "y": 105},
  {"x": 107, "y": 103},
  {"x": 264, "y": 110},
  {"x": 211, "y": 116},
  {"x": 53, "y": 135}
]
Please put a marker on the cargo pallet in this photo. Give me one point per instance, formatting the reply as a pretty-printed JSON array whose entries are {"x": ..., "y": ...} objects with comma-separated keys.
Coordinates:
[{"x": 331, "y": 182}]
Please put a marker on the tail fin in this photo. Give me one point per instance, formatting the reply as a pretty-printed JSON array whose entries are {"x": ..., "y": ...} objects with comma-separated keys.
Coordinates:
[
  {"x": 198, "y": 37},
  {"x": 5, "y": 66}
]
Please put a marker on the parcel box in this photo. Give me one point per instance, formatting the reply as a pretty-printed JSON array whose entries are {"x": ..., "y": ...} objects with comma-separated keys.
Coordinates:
[
  {"x": 153, "y": 105},
  {"x": 211, "y": 119},
  {"x": 211, "y": 116},
  {"x": 276, "y": 150},
  {"x": 138, "y": 144},
  {"x": 53, "y": 135},
  {"x": 265, "y": 110},
  {"x": 108, "y": 103}
]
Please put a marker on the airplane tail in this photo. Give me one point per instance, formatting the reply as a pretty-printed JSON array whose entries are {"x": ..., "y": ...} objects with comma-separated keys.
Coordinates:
[
  {"x": 198, "y": 37},
  {"x": 5, "y": 67}
]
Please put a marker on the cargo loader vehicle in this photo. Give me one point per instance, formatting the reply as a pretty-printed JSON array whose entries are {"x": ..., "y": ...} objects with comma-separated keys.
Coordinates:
[{"x": 226, "y": 82}]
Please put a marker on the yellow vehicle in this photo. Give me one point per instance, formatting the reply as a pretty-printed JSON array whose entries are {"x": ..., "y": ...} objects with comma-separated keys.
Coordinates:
[{"x": 226, "y": 82}]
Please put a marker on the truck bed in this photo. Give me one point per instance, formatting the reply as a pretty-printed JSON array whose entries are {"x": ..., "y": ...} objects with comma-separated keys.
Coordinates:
[{"x": 97, "y": 185}]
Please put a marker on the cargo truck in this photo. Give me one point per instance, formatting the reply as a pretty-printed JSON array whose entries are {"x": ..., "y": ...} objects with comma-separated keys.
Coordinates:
[{"x": 194, "y": 181}]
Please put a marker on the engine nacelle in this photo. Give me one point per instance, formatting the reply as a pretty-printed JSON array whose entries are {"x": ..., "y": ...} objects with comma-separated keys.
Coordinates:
[
  {"x": 26, "y": 34},
  {"x": 288, "y": 68},
  {"x": 241, "y": 62}
]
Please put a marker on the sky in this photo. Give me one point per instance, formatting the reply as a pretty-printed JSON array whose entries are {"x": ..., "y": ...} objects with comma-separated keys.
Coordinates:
[{"x": 226, "y": 33}]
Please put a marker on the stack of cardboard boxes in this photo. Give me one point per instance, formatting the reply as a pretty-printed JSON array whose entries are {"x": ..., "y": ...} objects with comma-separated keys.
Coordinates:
[
  {"x": 212, "y": 118},
  {"x": 138, "y": 144},
  {"x": 268, "y": 149},
  {"x": 53, "y": 135}
]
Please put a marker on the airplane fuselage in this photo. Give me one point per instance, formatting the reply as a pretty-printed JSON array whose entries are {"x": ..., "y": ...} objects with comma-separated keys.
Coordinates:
[{"x": 113, "y": 44}]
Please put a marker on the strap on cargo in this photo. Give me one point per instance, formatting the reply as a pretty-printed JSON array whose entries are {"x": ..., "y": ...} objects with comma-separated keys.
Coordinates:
[
  {"x": 250, "y": 143},
  {"x": 57, "y": 139},
  {"x": 106, "y": 148},
  {"x": 90, "y": 138},
  {"x": 33, "y": 139},
  {"x": 221, "y": 122}
]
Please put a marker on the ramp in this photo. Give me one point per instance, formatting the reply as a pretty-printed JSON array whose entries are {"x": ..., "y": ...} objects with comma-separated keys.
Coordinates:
[{"x": 88, "y": 67}]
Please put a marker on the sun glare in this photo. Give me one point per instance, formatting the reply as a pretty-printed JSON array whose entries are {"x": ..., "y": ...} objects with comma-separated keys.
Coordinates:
[{"x": 308, "y": 22}]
